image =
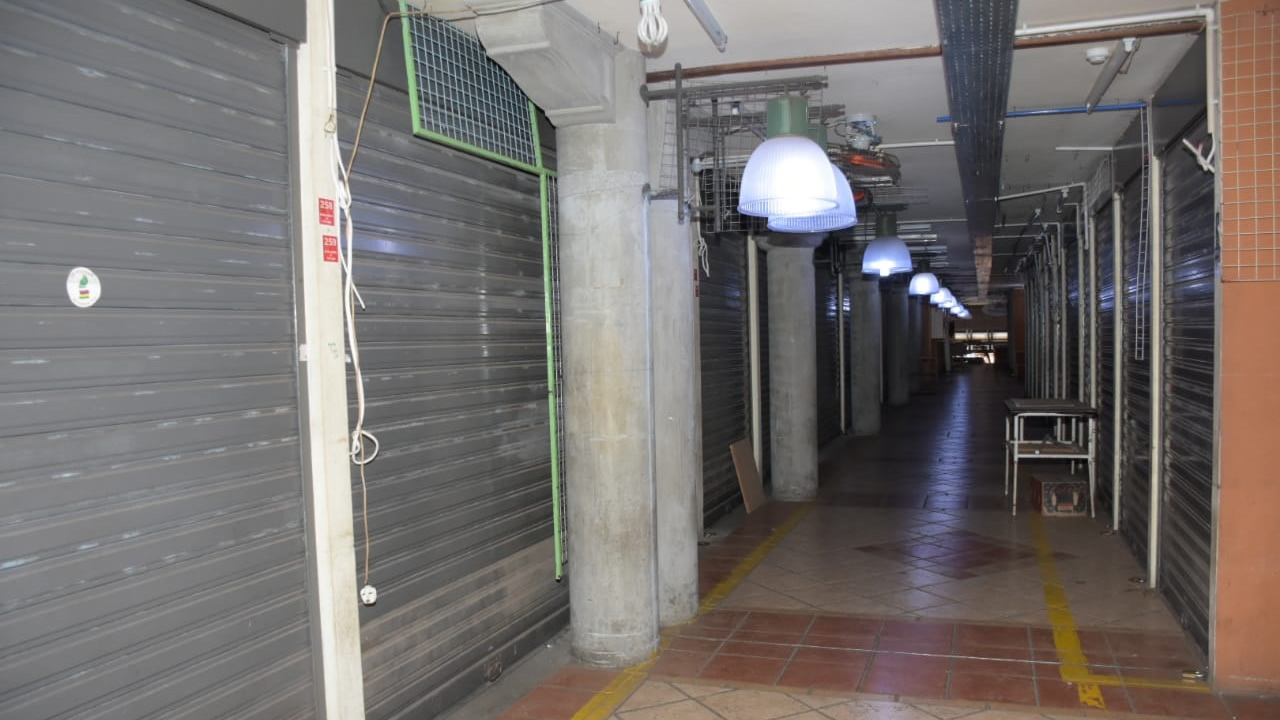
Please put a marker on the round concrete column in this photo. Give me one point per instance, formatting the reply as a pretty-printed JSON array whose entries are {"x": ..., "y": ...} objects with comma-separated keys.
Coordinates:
[
  {"x": 897, "y": 366},
  {"x": 678, "y": 452},
  {"x": 793, "y": 366},
  {"x": 865, "y": 350},
  {"x": 606, "y": 313}
]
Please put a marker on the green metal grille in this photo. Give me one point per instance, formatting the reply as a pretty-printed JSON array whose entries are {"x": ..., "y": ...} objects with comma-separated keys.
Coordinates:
[{"x": 461, "y": 97}]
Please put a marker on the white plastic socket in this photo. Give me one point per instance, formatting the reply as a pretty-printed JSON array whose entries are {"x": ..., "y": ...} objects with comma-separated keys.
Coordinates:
[{"x": 368, "y": 595}]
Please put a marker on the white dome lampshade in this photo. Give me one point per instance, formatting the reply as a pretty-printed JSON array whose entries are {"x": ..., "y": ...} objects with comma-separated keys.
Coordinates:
[
  {"x": 924, "y": 283},
  {"x": 957, "y": 309},
  {"x": 788, "y": 174},
  {"x": 844, "y": 215},
  {"x": 886, "y": 254},
  {"x": 948, "y": 300},
  {"x": 938, "y": 297}
]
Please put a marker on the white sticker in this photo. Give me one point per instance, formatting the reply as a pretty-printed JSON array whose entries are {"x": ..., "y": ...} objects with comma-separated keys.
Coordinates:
[{"x": 83, "y": 287}]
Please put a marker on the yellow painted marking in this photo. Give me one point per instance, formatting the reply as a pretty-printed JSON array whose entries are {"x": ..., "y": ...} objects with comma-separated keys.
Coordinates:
[
  {"x": 603, "y": 703},
  {"x": 1066, "y": 640}
]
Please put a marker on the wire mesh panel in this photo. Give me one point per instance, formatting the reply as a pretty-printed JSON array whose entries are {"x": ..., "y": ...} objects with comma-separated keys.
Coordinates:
[{"x": 460, "y": 96}]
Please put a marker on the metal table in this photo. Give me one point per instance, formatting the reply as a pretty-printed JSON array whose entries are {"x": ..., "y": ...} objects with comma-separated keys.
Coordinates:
[{"x": 1073, "y": 439}]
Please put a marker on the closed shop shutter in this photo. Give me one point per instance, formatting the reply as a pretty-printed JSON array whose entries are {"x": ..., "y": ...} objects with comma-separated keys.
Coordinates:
[
  {"x": 1108, "y": 306},
  {"x": 1187, "y": 397},
  {"x": 827, "y": 330},
  {"x": 722, "y": 312},
  {"x": 453, "y": 346},
  {"x": 152, "y": 549},
  {"x": 1135, "y": 466}
]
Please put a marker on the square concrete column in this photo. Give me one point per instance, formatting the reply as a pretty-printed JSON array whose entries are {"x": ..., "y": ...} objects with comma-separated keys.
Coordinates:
[
  {"x": 865, "y": 348},
  {"x": 793, "y": 366},
  {"x": 897, "y": 364}
]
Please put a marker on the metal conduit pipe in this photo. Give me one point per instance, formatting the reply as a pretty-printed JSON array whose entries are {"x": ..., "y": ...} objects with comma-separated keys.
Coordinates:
[{"x": 753, "y": 341}]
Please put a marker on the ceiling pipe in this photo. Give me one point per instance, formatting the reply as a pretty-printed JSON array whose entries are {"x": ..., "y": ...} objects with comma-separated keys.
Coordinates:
[
  {"x": 922, "y": 51},
  {"x": 1071, "y": 110},
  {"x": 1123, "y": 51},
  {"x": 915, "y": 144},
  {"x": 1155, "y": 18}
]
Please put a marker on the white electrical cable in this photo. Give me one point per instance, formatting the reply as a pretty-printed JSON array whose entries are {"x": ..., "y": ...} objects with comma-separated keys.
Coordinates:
[{"x": 652, "y": 30}]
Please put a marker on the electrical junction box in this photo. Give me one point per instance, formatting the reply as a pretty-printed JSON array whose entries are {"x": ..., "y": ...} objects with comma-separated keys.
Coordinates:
[{"x": 1060, "y": 495}]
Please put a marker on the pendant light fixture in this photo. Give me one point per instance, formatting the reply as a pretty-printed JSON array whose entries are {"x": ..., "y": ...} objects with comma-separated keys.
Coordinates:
[
  {"x": 924, "y": 283},
  {"x": 844, "y": 215},
  {"x": 788, "y": 174},
  {"x": 886, "y": 254}
]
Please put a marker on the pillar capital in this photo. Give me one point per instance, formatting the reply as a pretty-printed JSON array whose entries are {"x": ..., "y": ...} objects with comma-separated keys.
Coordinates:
[{"x": 559, "y": 58}]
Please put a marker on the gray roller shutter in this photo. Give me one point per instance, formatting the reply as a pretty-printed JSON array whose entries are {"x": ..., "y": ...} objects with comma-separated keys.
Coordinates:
[
  {"x": 1187, "y": 527},
  {"x": 1071, "y": 318},
  {"x": 449, "y": 263},
  {"x": 1107, "y": 360},
  {"x": 1135, "y": 466},
  {"x": 827, "y": 329},
  {"x": 722, "y": 312},
  {"x": 152, "y": 553}
]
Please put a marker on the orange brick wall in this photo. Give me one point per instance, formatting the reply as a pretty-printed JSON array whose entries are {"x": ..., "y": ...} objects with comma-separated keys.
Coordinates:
[{"x": 1247, "y": 631}]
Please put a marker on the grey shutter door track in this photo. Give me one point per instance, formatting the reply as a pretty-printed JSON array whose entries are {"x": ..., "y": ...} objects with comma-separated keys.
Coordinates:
[
  {"x": 722, "y": 311},
  {"x": 1071, "y": 316},
  {"x": 1135, "y": 465},
  {"x": 1190, "y": 260},
  {"x": 448, "y": 258},
  {"x": 827, "y": 330},
  {"x": 151, "y": 503},
  {"x": 1107, "y": 360}
]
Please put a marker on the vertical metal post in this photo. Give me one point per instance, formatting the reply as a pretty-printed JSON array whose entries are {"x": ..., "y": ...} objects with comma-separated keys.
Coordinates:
[
  {"x": 1157, "y": 371},
  {"x": 1117, "y": 350},
  {"x": 753, "y": 346},
  {"x": 843, "y": 384}
]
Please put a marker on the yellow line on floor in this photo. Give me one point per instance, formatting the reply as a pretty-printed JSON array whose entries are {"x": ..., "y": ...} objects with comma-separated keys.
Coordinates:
[
  {"x": 1074, "y": 666},
  {"x": 603, "y": 703}
]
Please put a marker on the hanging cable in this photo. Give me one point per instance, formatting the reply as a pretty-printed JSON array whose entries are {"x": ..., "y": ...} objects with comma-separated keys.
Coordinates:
[{"x": 652, "y": 30}]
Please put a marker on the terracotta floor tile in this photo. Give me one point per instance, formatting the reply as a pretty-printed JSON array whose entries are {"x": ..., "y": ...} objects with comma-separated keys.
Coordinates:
[
  {"x": 578, "y": 677},
  {"x": 776, "y": 638},
  {"x": 549, "y": 703},
  {"x": 993, "y": 688},
  {"x": 833, "y": 625},
  {"x": 830, "y": 655},
  {"x": 1254, "y": 708},
  {"x": 923, "y": 647},
  {"x": 911, "y": 663},
  {"x": 769, "y": 650},
  {"x": 834, "y": 677},
  {"x": 776, "y": 623},
  {"x": 916, "y": 631},
  {"x": 894, "y": 681},
  {"x": 993, "y": 653},
  {"x": 1178, "y": 703},
  {"x": 677, "y": 663},
  {"x": 694, "y": 644},
  {"x": 721, "y": 618},
  {"x": 994, "y": 667},
  {"x": 739, "y": 668},
  {"x": 1054, "y": 692},
  {"x": 848, "y": 642},
  {"x": 968, "y": 635}
]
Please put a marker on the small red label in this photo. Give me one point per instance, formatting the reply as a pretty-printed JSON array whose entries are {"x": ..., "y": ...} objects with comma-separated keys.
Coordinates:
[
  {"x": 326, "y": 211},
  {"x": 331, "y": 248}
]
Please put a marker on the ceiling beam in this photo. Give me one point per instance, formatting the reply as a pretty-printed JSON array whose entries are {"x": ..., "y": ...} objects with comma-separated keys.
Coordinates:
[{"x": 923, "y": 51}]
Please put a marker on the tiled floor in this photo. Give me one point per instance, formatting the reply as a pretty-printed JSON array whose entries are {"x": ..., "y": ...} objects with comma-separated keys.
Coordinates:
[{"x": 909, "y": 592}]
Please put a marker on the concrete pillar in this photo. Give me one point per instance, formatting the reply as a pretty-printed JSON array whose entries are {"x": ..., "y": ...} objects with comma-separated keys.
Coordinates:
[
  {"x": 678, "y": 452},
  {"x": 793, "y": 367},
  {"x": 915, "y": 343},
  {"x": 609, "y": 419},
  {"x": 864, "y": 351},
  {"x": 897, "y": 368}
]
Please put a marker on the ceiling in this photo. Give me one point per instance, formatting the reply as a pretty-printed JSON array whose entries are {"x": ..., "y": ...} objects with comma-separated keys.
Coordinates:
[{"x": 908, "y": 95}]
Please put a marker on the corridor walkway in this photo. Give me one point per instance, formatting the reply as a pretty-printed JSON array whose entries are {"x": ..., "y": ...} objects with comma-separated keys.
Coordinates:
[{"x": 907, "y": 591}]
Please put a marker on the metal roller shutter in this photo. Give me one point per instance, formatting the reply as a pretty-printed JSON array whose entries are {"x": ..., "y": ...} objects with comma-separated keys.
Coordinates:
[
  {"x": 722, "y": 312},
  {"x": 1135, "y": 466},
  {"x": 828, "y": 353},
  {"x": 1187, "y": 396},
  {"x": 1107, "y": 360},
  {"x": 151, "y": 500},
  {"x": 1071, "y": 319},
  {"x": 453, "y": 344}
]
